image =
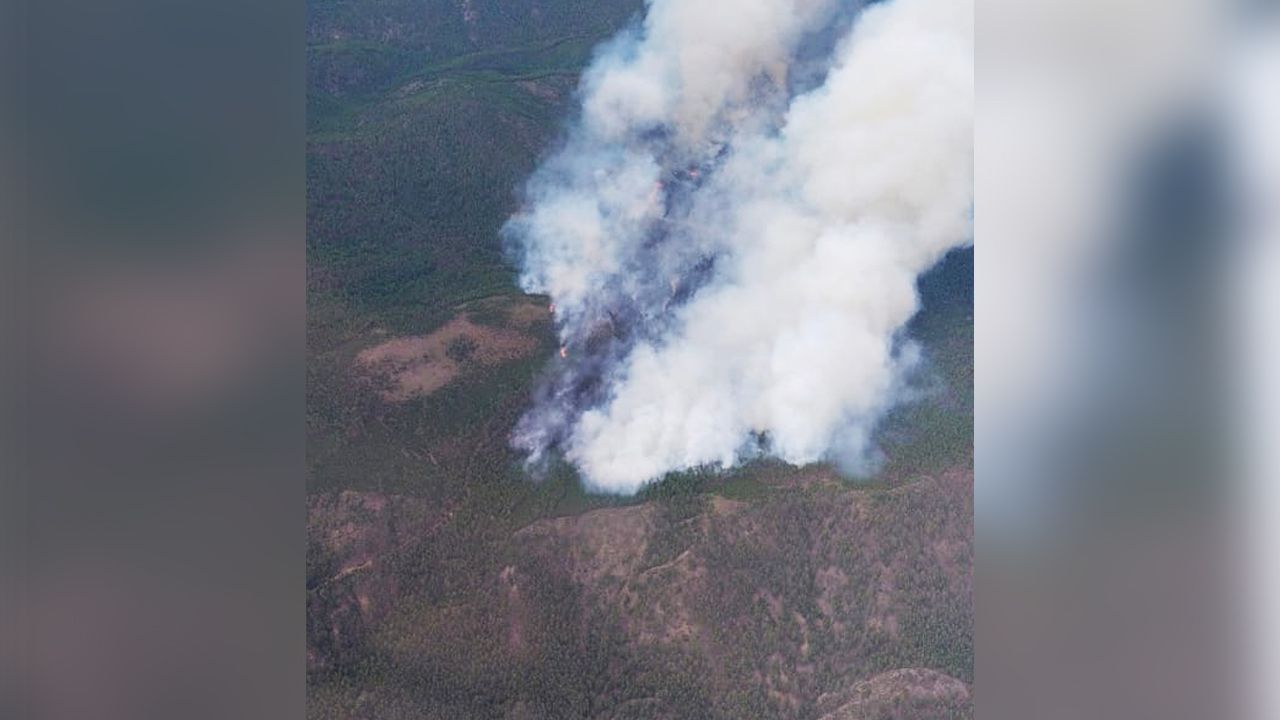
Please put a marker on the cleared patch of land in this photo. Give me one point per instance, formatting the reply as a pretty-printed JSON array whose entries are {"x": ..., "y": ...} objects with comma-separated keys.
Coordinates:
[{"x": 407, "y": 367}]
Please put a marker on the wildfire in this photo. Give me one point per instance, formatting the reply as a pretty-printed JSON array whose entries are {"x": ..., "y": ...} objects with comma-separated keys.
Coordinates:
[{"x": 564, "y": 351}]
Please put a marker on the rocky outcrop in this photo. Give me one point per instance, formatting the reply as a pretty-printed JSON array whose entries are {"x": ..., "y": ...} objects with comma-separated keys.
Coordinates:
[{"x": 905, "y": 694}]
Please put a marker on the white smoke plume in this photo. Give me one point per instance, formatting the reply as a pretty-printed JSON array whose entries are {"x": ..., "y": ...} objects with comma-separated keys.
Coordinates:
[{"x": 732, "y": 233}]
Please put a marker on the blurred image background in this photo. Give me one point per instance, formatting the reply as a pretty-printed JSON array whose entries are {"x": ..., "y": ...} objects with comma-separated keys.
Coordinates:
[{"x": 1126, "y": 196}]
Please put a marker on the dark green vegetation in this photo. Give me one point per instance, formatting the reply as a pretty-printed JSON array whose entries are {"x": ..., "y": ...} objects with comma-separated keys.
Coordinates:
[
  {"x": 423, "y": 116},
  {"x": 442, "y": 582}
]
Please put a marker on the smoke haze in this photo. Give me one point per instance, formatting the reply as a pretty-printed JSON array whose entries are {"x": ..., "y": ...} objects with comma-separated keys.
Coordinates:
[{"x": 732, "y": 232}]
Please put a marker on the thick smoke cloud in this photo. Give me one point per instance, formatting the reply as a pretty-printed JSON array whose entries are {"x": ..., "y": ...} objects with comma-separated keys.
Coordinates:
[{"x": 733, "y": 230}]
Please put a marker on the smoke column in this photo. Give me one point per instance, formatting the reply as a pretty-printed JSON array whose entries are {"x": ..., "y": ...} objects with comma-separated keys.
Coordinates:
[{"x": 732, "y": 231}]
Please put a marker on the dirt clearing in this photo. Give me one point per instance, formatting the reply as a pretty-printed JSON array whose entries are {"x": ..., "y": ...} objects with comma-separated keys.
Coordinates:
[{"x": 407, "y": 367}]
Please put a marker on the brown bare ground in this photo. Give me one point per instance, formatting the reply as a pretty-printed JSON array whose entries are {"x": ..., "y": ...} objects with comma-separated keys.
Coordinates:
[
  {"x": 542, "y": 90},
  {"x": 905, "y": 694},
  {"x": 407, "y": 367}
]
